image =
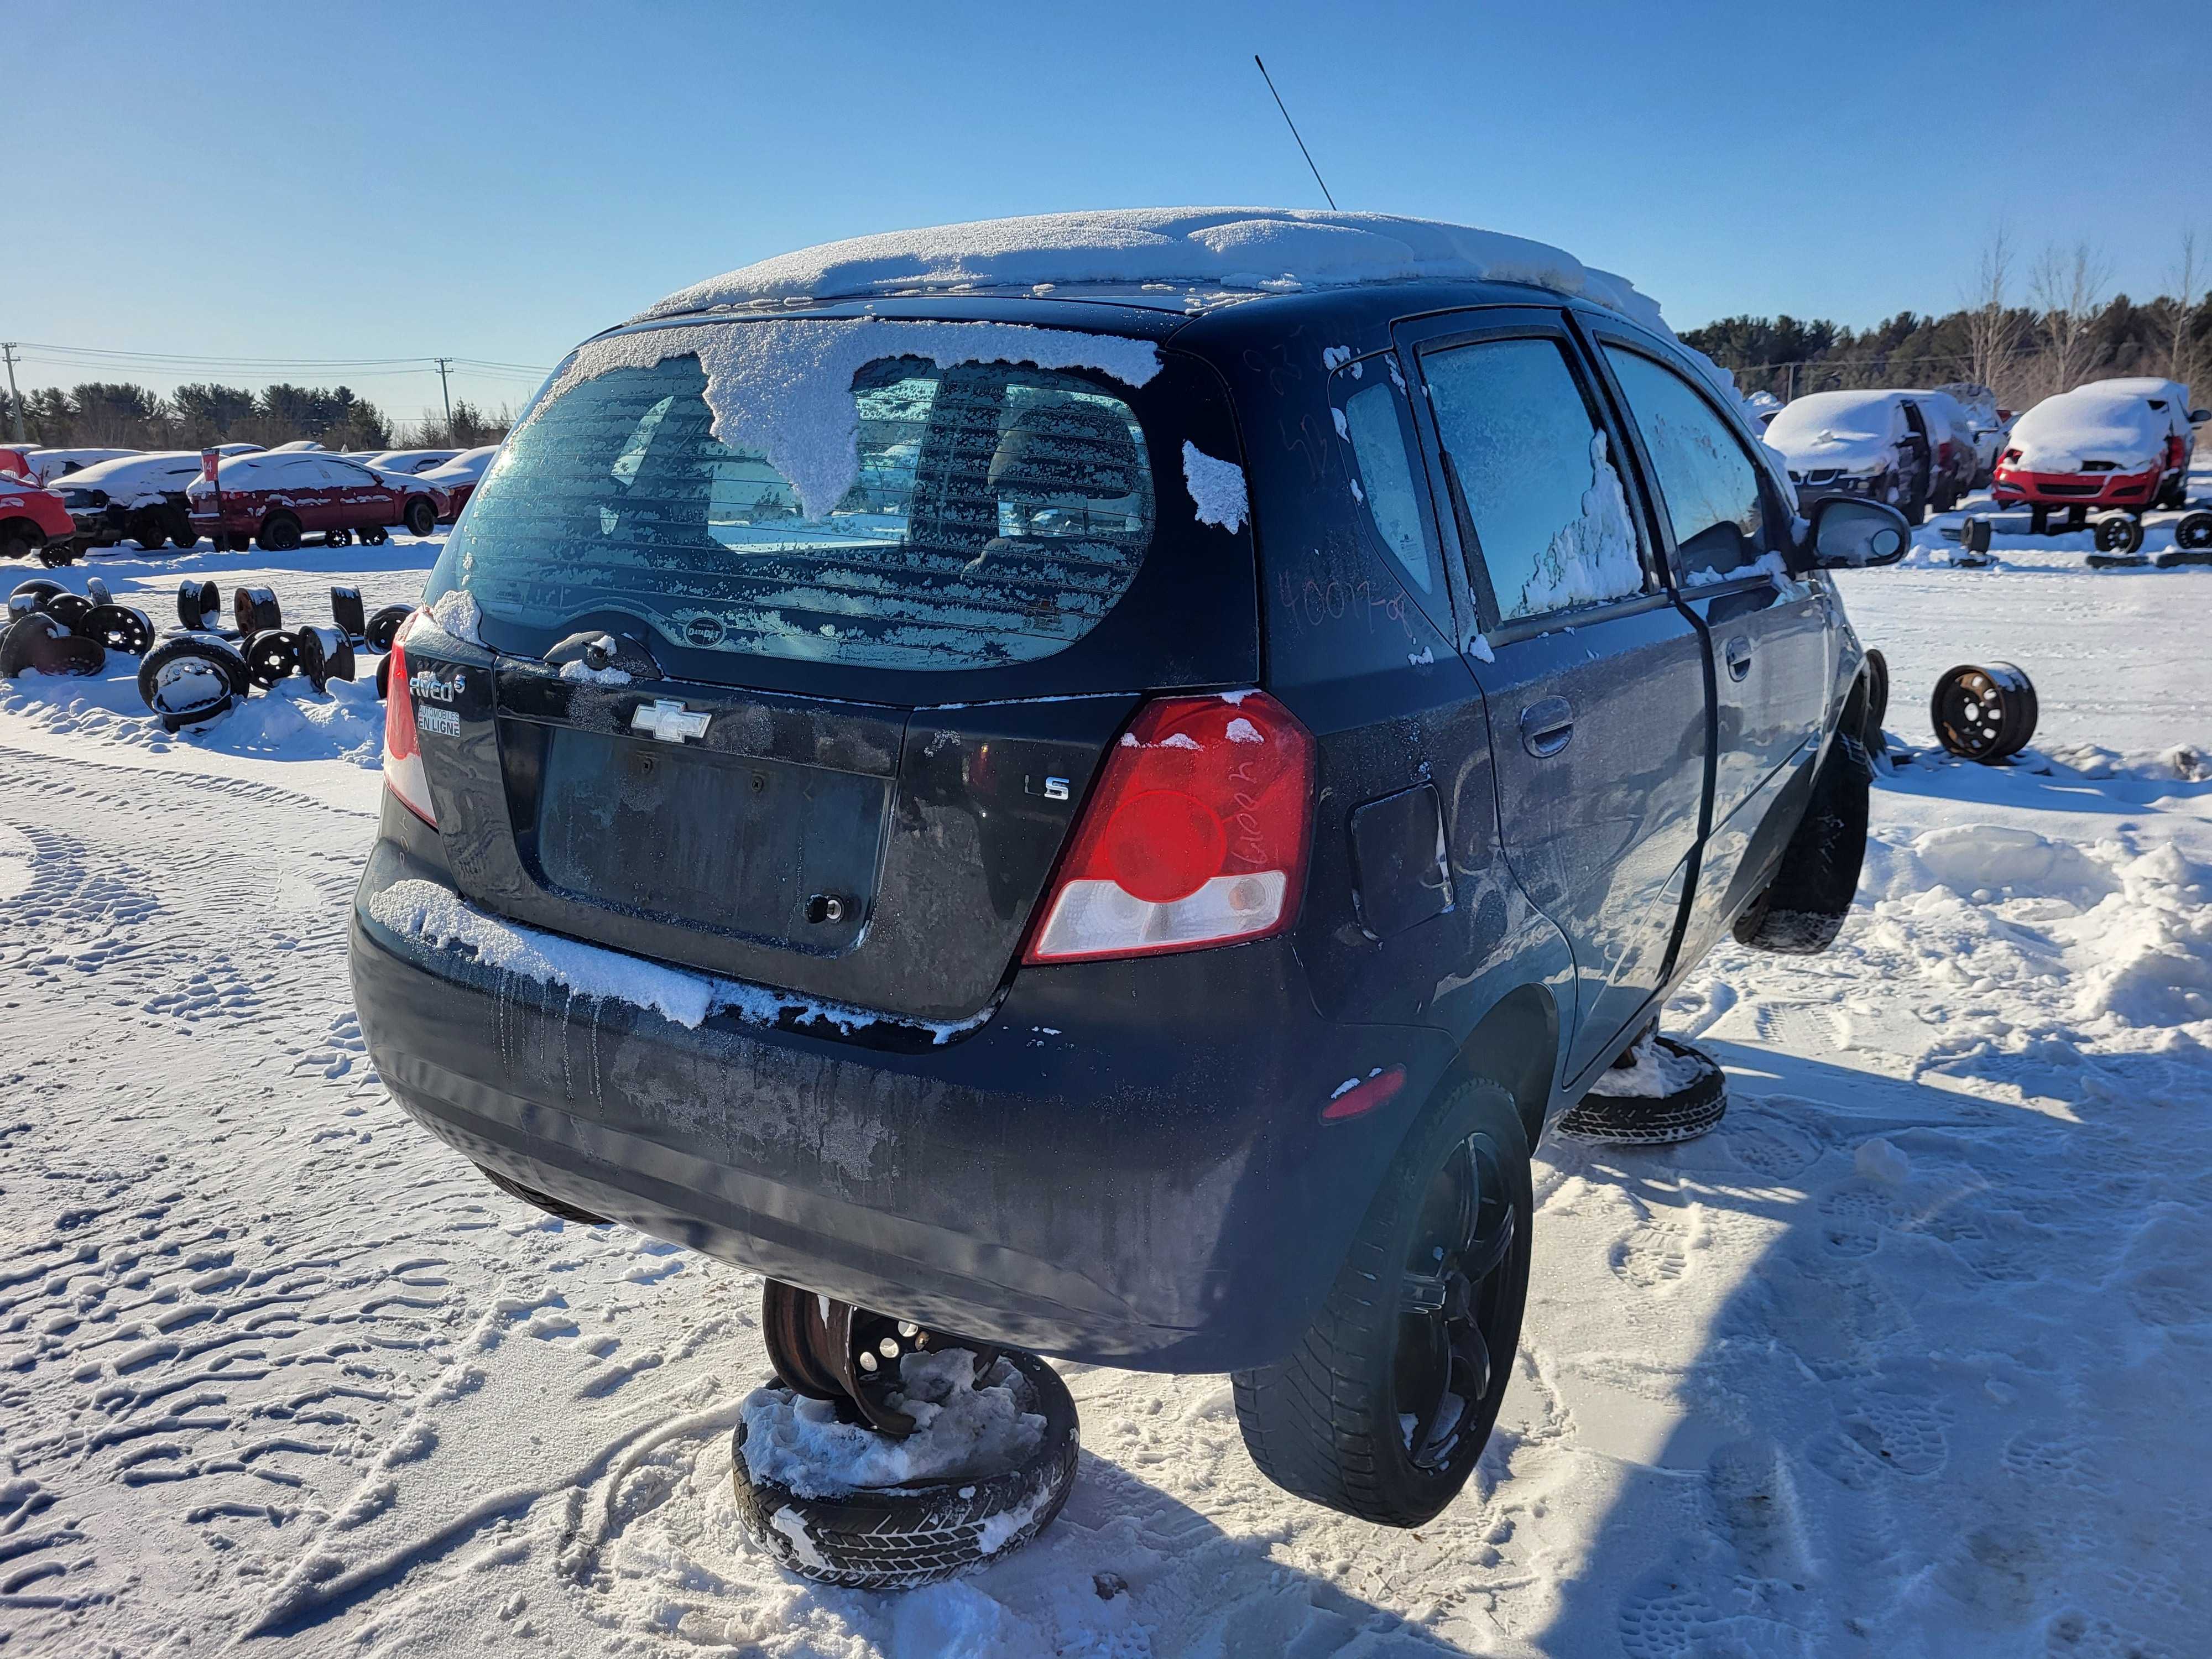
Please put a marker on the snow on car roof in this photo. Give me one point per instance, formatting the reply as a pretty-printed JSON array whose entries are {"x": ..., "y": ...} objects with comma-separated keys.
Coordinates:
[
  {"x": 1857, "y": 413},
  {"x": 1259, "y": 250},
  {"x": 2140, "y": 385},
  {"x": 129, "y": 469}
]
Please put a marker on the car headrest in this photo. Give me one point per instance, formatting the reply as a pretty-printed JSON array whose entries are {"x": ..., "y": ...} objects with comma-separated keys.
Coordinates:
[{"x": 1064, "y": 448}]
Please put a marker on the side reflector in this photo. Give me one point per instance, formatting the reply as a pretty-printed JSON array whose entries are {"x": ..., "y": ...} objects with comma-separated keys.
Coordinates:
[{"x": 1357, "y": 1099}]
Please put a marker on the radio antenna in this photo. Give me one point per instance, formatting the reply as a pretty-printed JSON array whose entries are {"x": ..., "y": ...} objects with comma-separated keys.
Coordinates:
[{"x": 1293, "y": 126}]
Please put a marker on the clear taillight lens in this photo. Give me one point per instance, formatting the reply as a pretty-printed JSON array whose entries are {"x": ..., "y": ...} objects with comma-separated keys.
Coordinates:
[
  {"x": 403, "y": 751},
  {"x": 1195, "y": 834}
]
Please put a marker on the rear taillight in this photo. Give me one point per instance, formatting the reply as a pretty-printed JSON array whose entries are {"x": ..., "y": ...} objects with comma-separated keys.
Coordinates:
[
  {"x": 403, "y": 751},
  {"x": 1195, "y": 834}
]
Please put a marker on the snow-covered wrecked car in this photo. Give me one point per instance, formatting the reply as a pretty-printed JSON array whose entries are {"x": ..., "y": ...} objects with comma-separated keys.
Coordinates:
[
  {"x": 138, "y": 496},
  {"x": 2122, "y": 445},
  {"x": 1096, "y": 782},
  {"x": 1879, "y": 446},
  {"x": 459, "y": 477},
  {"x": 276, "y": 497},
  {"x": 34, "y": 521}
]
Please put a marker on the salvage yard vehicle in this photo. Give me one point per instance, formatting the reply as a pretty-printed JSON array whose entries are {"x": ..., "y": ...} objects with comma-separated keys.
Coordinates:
[
  {"x": 35, "y": 521},
  {"x": 1952, "y": 432},
  {"x": 406, "y": 460},
  {"x": 1108, "y": 823},
  {"x": 275, "y": 498},
  {"x": 1988, "y": 420},
  {"x": 2122, "y": 445},
  {"x": 45, "y": 465},
  {"x": 459, "y": 477},
  {"x": 1871, "y": 444},
  {"x": 138, "y": 496}
]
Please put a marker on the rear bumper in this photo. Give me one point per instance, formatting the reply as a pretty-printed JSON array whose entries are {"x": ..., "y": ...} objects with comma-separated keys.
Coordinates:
[{"x": 1126, "y": 1165}]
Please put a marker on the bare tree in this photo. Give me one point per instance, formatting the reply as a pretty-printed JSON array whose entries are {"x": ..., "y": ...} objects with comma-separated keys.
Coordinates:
[
  {"x": 1992, "y": 331},
  {"x": 2067, "y": 290},
  {"x": 2187, "y": 277}
]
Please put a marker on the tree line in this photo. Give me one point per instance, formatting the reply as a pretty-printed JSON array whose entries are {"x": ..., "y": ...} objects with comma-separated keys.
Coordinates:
[
  {"x": 115, "y": 414},
  {"x": 2024, "y": 334}
]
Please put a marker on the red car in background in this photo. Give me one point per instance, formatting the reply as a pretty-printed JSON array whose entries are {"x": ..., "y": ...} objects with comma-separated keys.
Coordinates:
[
  {"x": 459, "y": 477},
  {"x": 276, "y": 498},
  {"x": 2121, "y": 445},
  {"x": 34, "y": 520}
]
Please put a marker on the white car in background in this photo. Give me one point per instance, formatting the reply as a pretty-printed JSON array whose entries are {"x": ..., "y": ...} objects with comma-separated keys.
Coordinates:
[
  {"x": 138, "y": 496},
  {"x": 459, "y": 477},
  {"x": 408, "y": 461},
  {"x": 1874, "y": 445}
]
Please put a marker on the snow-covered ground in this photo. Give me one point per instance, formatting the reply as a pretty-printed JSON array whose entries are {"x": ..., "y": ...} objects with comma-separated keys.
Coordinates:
[{"x": 1909, "y": 1357}]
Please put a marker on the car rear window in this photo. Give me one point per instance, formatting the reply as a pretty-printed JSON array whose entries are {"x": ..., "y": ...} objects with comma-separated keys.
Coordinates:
[{"x": 1000, "y": 513}]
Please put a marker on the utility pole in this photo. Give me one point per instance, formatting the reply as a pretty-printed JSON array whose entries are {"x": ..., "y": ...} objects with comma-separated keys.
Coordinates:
[
  {"x": 449, "y": 393},
  {"x": 15, "y": 397}
]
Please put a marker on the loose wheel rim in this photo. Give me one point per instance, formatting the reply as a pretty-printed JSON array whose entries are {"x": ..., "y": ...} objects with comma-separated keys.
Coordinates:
[
  {"x": 833, "y": 1351},
  {"x": 1984, "y": 712},
  {"x": 1453, "y": 1290}
]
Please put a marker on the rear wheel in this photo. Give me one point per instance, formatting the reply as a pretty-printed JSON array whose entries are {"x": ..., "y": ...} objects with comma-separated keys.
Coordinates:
[
  {"x": 150, "y": 530},
  {"x": 280, "y": 533},
  {"x": 1387, "y": 1401},
  {"x": 420, "y": 517},
  {"x": 17, "y": 543},
  {"x": 1803, "y": 907}
]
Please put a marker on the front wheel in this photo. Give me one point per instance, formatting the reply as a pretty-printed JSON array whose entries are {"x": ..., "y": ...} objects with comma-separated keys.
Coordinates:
[{"x": 1389, "y": 1398}]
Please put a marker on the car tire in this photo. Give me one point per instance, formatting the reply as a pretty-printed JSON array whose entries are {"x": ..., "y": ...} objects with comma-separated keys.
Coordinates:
[
  {"x": 150, "y": 529},
  {"x": 1803, "y": 907},
  {"x": 903, "y": 1537},
  {"x": 1642, "y": 1120},
  {"x": 167, "y": 669},
  {"x": 42, "y": 641},
  {"x": 1326, "y": 1423},
  {"x": 17, "y": 543},
  {"x": 383, "y": 677},
  {"x": 280, "y": 533},
  {"x": 55, "y": 554},
  {"x": 420, "y": 516}
]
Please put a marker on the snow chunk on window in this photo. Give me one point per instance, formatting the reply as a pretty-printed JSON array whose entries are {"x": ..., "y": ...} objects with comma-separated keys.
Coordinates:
[
  {"x": 1593, "y": 557},
  {"x": 785, "y": 387},
  {"x": 457, "y": 613},
  {"x": 1241, "y": 730},
  {"x": 1177, "y": 740},
  {"x": 1217, "y": 487},
  {"x": 1334, "y": 357}
]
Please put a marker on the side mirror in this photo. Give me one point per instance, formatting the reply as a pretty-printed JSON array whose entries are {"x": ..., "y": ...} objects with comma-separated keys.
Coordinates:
[
  {"x": 2198, "y": 416},
  {"x": 1848, "y": 534}
]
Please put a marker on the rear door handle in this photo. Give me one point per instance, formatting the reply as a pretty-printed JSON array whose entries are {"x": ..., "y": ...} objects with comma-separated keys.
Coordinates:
[
  {"x": 1738, "y": 651},
  {"x": 1547, "y": 726}
]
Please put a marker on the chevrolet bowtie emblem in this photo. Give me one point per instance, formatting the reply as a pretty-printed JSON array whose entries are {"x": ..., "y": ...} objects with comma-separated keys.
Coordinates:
[{"x": 671, "y": 722}]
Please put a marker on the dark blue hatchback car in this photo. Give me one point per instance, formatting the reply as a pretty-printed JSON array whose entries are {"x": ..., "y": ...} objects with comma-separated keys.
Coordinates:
[{"x": 1063, "y": 787}]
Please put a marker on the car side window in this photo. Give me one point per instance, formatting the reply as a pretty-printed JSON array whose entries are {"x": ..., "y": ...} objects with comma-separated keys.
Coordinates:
[
  {"x": 1535, "y": 477},
  {"x": 1707, "y": 480},
  {"x": 1374, "y": 419}
]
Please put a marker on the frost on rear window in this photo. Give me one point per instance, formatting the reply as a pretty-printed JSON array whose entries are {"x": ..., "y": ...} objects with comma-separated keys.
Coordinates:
[
  {"x": 1593, "y": 555},
  {"x": 982, "y": 513}
]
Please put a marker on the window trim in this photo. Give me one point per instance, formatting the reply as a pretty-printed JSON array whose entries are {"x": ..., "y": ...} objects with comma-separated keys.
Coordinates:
[
  {"x": 1451, "y": 331},
  {"x": 1599, "y": 335}
]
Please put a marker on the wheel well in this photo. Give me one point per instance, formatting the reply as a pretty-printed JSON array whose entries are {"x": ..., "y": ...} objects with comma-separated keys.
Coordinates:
[
  {"x": 1516, "y": 1046},
  {"x": 277, "y": 512},
  {"x": 1853, "y": 719},
  {"x": 27, "y": 528}
]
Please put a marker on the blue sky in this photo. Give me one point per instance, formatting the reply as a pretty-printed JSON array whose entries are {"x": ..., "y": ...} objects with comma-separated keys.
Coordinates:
[{"x": 327, "y": 180}]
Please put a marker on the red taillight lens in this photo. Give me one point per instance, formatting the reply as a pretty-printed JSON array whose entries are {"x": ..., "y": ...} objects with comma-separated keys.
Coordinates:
[
  {"x": 1195, "y": 834},
  {"x": 403, "y": 750}
]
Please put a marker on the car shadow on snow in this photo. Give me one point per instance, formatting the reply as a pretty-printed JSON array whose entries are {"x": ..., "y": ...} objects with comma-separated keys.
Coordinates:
[
  {"x": 1937, "y": 1412},
  {"x": 1129, "y": 1568}
]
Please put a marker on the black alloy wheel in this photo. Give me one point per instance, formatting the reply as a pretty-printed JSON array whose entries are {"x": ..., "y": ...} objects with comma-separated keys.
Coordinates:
[{"x": 1453, "y": 1341}]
